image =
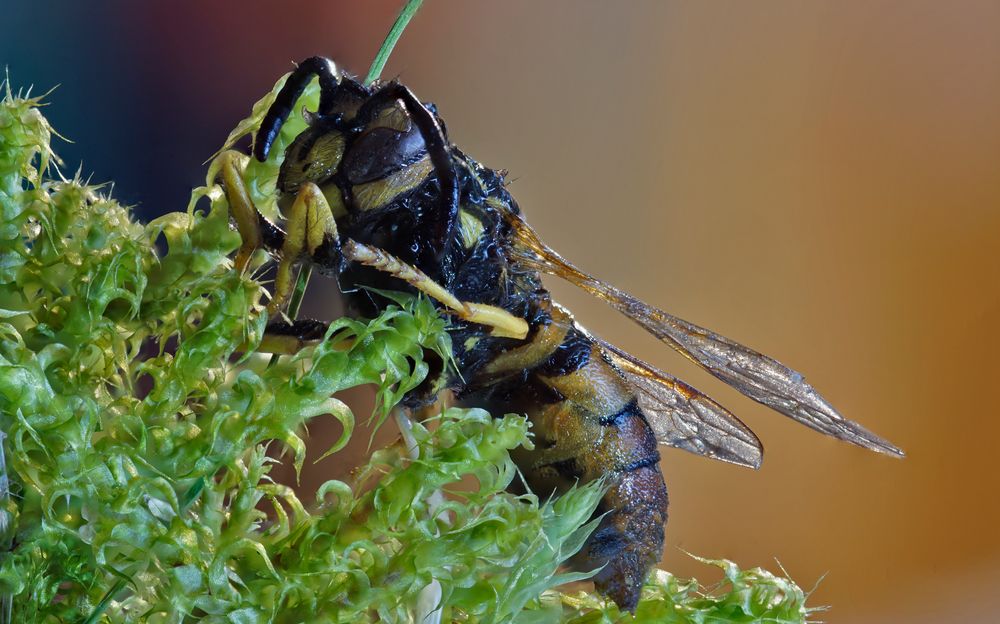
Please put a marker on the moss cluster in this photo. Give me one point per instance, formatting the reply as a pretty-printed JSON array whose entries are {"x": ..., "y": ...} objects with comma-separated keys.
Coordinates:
[{"x": 136, "y": 416}]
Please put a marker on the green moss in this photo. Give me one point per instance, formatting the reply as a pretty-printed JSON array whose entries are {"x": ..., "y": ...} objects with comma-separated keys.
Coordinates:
[{"x": 136, "y": 415}]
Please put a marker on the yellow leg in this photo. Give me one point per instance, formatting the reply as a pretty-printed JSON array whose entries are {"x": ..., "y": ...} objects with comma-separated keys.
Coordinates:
[
  {"x": 229, "y": 166},
  {"x": 504, "y": 324},
  {"x": 310, "y": 223}
]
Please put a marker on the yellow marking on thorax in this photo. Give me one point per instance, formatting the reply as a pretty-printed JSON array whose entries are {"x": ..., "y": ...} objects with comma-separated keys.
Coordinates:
[
  {"x": 378, "y": 193},
  {"x": 497, "y": 204},
  {"x": 470, "y": 228}
]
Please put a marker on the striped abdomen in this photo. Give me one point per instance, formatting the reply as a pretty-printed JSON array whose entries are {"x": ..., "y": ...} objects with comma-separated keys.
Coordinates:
[{"x": 587, "y": 425}]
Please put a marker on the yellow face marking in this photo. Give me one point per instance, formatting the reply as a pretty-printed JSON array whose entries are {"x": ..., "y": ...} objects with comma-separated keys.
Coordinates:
[{"x": 378, "y": 193}]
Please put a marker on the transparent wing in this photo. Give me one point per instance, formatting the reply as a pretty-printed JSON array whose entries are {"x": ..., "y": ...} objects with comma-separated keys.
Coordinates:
[
  {"x": 758, "y": 376},
  {"x": 683, "y": 417}
]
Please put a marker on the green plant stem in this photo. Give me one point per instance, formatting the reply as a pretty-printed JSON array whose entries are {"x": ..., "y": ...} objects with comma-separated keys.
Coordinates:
[
  {"x": 390, "y": 40},
  {"x": 300, "y": 290},
  {"x": 102, "y": 606}
]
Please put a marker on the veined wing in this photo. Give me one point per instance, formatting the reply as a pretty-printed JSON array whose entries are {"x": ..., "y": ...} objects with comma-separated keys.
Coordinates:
[
  {"x": 758, "y": 376},
  {"x": 683, "y": 417}
]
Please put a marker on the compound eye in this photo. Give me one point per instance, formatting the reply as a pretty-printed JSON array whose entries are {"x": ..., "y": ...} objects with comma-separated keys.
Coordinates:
[{"x": 313, "y": 156}]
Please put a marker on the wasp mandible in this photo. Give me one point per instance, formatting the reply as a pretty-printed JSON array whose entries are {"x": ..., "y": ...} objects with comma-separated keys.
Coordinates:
[{"x": 376, "y": 196}]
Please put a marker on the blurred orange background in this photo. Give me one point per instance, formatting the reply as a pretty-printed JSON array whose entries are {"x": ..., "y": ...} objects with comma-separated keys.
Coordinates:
[{"x": 818, "y": 180}]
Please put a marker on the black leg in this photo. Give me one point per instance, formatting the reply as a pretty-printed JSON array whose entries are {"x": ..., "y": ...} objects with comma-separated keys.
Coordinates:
[
  {"x": 302, "y": 329},
  {"x": 440, "y": 223},
  {"x": 272, "y": 236},
  {"x": 329, "y": 78},
  {"x": 281, "y": 338}
]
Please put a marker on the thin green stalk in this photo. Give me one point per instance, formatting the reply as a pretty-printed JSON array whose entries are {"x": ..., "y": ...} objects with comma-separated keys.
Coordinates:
[
  {"x": 102, "y": 606},
  {"x": 390, "y": 40},
  {"x": 296, "y": 301},
  {"x": 300, "y": 290}
]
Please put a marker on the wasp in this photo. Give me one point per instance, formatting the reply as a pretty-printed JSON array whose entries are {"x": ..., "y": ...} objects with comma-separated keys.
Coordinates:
[{"x": 375, "y": 195}]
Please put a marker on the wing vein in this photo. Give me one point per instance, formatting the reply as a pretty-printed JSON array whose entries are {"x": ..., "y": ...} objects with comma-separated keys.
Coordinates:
[{"x": 754, "y": 374}]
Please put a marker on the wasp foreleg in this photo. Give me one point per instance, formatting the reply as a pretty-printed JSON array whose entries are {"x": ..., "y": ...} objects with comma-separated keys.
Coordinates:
[
  {"x": 229, "y": 166},
  {"x": 310, "y": 230},
  {"x": 329, "y": 79},
  {"x": 311, "y": 226}
]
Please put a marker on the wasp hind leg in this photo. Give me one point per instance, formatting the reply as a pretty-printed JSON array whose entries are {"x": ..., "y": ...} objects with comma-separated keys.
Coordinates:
[{"x": 503, "y": 324}]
